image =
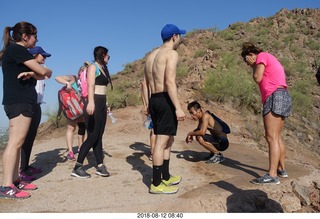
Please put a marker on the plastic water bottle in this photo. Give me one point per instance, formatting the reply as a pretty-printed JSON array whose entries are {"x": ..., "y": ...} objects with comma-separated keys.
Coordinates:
[
  {"x": 148, "y": 122},
  {"x": 113, "y": 119}
]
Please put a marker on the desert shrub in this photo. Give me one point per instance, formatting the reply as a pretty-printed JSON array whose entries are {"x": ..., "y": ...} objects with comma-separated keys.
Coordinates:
[
  {"x": 199, "y": 53},
  {"x": 301, "y": 99},
  {"x": 223, "y": 86},
  {"x": 116, "y": 98},
  {"x": 133, "y": 99},
  {"x": 182, "y": 71}
]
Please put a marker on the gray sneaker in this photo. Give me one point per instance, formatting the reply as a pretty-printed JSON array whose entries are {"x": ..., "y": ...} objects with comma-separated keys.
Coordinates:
[
  {"x": 80, "y": 173},
  {"x": 102, "y": 171},
  {"x": 266, "y": 179},
  {"x": 282, "y": 173},
  {"x": 217, "y": 158}
]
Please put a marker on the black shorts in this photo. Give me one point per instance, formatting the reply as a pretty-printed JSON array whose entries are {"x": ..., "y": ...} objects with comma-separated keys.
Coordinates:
[
  {"x": 163, "y": 114},
  {"x": 221, "y": 144},
  {"x": 16, "y": 109},
  {"x": 279, "y": 102}
]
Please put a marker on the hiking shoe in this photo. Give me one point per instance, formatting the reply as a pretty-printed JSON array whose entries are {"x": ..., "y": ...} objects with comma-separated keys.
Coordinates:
[
  {"x": 282, "y": 173},
  {"x": 24, "y": 185},
  {"x": 265, "y": 180},
  {"x": 34, "y": 170},
  {"x": 163, "y": 189},
  {"x": 174, "y": 180},
  {"x": 102, "y": 171},
  {"x": 80, "y": 173},
  {"x": 217, "y": 158},
  {"x": 26, "y": 176},
  {"x": 12, "y": 192},
  {"x": 70, "y": 156}
]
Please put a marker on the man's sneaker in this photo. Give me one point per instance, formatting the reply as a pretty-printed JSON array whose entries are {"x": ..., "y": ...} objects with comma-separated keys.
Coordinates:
[
  {"x": 34, "y": 170},
  {"x": 70, "y": 156},
  {"x": 24, "y": 185},
  {"x": 102, "y": 171},
  {"x": 174, "y": 180},
  {"x": 209, "y": 156},
  {"x": 26, "y": 176},
  {"x": 282, "y": 173},
  {"x": 163, "y": 189},
  {"x": 217, "y": 158},
  {"x": 80, "y": 173},
  {"x": 12, "y": 192},
  {"x": 265, "y": 180}
]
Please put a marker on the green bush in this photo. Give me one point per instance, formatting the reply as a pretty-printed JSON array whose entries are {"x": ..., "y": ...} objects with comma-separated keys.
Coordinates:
[{"x": 301, "y": 99}]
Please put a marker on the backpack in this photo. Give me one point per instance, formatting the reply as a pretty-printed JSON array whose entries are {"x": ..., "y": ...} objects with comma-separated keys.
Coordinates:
[
  {"x": 225, "y": 127},
  {"x": 83, "y": 83},
  {"x": 70, "y": 103}
]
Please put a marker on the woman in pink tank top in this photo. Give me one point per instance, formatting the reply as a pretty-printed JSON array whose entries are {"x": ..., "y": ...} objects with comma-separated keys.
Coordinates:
[{"x": 269, "y": 74}]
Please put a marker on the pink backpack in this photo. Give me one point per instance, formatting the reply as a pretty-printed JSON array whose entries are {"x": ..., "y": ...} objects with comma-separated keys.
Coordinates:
[{"x": 83, "y": 84}]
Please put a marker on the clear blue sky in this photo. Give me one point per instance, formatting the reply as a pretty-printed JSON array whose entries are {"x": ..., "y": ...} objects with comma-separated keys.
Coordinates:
[{"x": 70, "y": 30}]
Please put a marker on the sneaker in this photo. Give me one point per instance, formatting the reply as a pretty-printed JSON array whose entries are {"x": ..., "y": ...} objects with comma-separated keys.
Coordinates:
[
  {"x": 12, "y": 192},
  {"x": 282, "y": 173},
  {"x": 174, "y": 180},
  {"x": 34, "y": 170},
  {"x": 217, "y": 158},
  {"x": 70, "y": 156},
  {"x": 26, "y": 176},
  {"x": 266, "y": 179},
  {"x": 102, "y": 171},
  {"x": 80, "y": 173},
  {"x": 209, "y": 156},
  {"x": 163, "y": 189},
  {"x": 24, "y": 185}
]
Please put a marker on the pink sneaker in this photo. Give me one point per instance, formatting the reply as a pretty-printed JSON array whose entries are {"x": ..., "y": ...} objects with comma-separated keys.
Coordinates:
[
  {"x": 70, "y": 156},
  {"x": 34, "y": 170},
  {"x": 26, "y": 177},
  {"x": 13, "y": 192},
  {"x": 24, "y": 185}
]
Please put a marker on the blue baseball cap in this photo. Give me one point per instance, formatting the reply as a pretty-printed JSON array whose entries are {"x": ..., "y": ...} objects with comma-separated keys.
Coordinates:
[
  {"x": 169, "y": 30},
  {"x": 38, "y": 50}
]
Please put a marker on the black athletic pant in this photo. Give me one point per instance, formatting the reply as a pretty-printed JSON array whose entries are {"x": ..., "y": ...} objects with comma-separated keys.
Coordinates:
[
  {"x": 28, "y": 143},
  {"x": 95, "y": 128}
]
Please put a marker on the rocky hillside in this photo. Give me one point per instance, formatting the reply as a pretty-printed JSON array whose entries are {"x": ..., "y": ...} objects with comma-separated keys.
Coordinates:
[
  {"x": 211, "y": 70},
  {"x": 211, "y": 58}
]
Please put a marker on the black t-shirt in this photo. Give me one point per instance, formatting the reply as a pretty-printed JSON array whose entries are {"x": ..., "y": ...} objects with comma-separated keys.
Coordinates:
[{"x": 17, "y": 90}]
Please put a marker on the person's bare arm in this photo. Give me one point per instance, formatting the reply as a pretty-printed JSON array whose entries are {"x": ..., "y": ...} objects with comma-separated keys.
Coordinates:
[
  {"x": 170, "y": 82},
  {"x": 144, "y": 96},
  {"x": 258, "y": 73},
  {"x": 91, "y": 81},
  {"x": 203, "y": 126},
  {"x": 66, "y": 80},
  {"x": 37, "y": 68}
]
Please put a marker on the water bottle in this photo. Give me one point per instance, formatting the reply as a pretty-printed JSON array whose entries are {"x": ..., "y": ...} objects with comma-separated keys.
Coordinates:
[
  {"x": 148, "y": 122},
  {"x": 113, "y": 119}
]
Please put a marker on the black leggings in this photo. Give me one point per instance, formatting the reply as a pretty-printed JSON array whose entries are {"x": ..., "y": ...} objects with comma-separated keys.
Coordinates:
[
  {"x": 28, "y": 142},
  {"x": 95, "y": 128}
]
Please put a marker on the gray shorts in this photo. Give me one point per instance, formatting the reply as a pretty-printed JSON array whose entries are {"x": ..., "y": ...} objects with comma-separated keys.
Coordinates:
[{"x": 279, "y": 102}]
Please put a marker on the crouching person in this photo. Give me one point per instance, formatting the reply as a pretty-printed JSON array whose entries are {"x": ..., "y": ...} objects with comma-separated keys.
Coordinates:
[{"x": 211, "y": 132}]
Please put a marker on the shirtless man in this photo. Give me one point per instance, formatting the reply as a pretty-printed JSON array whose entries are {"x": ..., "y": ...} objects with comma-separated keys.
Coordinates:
[
  {"x": 164, "y": 107},
  {"x": 217, "y": 140}
]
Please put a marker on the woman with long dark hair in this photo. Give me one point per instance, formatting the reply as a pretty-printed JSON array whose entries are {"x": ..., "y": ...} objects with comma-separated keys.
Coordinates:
[{"x": 98, "y": 78}]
